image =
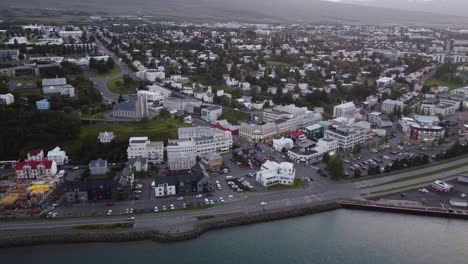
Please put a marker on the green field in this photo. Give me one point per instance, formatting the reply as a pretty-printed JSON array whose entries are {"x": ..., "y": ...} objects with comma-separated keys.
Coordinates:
[
  {"x": 277, "y": 63},
  {"x": 450, "y": 84},
  {"x": 298, "y": 183},
  {"x": 59, "y": 20},
  {"x": 117, "y": 86},
  {"x": 116, "y": 70},
  {"x": 234, "y": 117},
  {"x": 157, "y": 129}
]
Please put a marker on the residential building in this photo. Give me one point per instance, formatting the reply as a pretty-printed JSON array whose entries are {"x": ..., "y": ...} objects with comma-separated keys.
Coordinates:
[
  {"x": 211, "y": 114},
  {"x": 7, "y": 99},
  {"x": 427, "y": 108},
  {"x": 36, "y": 155},
  {"x": 213, "y": 161},
  {"x": 273, "y": 173},
  {"x": 347, "y": 136},
  {"x": 76, "y": 34},
  {"x": 303, "y": 116},
  {"x": 57, "y": 86},
  {"x": 106, "y": 137},
  {"x": 445, "y": 109},
  {"x": 346, "y": 110},
  {"x": 425, "y": 128},
  {"x": 43, "y": 105},
  {"x": 165, "y": 186},
  {"x": 279, "y": 144},
  {"x": 138, "y": 164},
  {"x": 11, "y": 54},
  {"x": 98, "y": 167},
  {"x": 390, "y": 106},
  {"x": 97, "y": 190},
  {"x": 379, "y": 120},
  {"x": 57, "y": 155},
  {"x": 33, "y": 169},
  {"x": 144, "y": 148},
  {"x": 384, "y": 82}
]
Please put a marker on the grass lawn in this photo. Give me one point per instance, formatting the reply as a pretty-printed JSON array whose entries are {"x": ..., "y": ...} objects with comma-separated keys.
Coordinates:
[
  {"x": 234, "y": 117},
  {"x": 277, "y": 63},
  {"x": 117, "y": 86},
  {"x": 58, "y": 20},
  {"x": 28, "y": 91},
  {"x": 298, "y": 183},
  {"x": 157, "y": 129},
  {"x": 116, "y": 70},
  {"x": 451, "y": 85}
]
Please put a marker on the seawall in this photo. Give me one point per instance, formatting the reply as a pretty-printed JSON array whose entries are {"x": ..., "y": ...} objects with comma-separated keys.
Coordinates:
[{"x": 119, "y": 235}]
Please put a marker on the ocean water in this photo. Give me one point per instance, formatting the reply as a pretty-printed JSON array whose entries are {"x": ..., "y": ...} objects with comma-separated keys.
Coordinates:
[{"x": 343, "y": 236}]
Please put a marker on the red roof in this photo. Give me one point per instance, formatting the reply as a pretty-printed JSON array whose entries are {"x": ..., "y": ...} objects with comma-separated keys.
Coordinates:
[
  {"x": 33, "y": 164},
  {"x": 296, "y": 134},
  {"x": 34, "y": 152}
]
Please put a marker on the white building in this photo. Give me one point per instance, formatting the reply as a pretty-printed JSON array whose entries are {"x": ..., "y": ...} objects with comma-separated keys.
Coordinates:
[
  {"x": 36, "y": 155},
  {"x": 347, "y": 136},
  {"x": 57, "y": 86},
  {"x": 303, "y": 116},
  {"x": 106, "y": 137},
  {"x": 211, "y": 114},
  {"x": 207, "y": 139},
  {"x": 279, "y": 144},
  {"x": 379, "y": 120},
  {"x": 389, "y": 106},
  {"x": 258, "y": 133},
  {"x": 346, "y": 110},
  {"x": 144, "y": 148},
  {"x": 7, "y": 99},
  {"x": 71, "y": 33},
  {"x": 384, "y": 82},
  {"x": 273, "y": 173},
  {"x": 313, "y": 155},
  {"x": 36, "y": 169},
  {"x": 181, "y": 155},
  {"x": 165, "y": 189},
  {"x": 57, "y": 155}
]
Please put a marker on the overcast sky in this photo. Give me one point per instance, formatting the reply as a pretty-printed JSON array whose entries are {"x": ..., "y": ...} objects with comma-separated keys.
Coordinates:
[{"x": 455, "y": 7}]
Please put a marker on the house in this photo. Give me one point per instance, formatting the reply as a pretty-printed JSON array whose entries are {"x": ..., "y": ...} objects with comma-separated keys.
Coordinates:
[
  {"x": 211, "y": 114},
  {"x": 106, "y": 137},
  {"x": 33, "y": 169},
  {"x": 7, "y": 99},
  {"x": 98, "y": 167},
  {"x": 379, "y": 120},
  {"x": 58, "y": 155},
  {"x": 36, "y": 155},
  {"x": 96, "y": 190},
  {"x": 165, "y": 186},
  {"x": 279, "y": 144},
  {"x": 43, "y": 105},
  {"x": 181, "y": 155},
  {"x": 384, "y": 82},
  {"x": 346, "y": 110},
  {"x": 213, "y": 161},
  {"x": 57, "y": 86},
  {"x": 273, "y": 173}
]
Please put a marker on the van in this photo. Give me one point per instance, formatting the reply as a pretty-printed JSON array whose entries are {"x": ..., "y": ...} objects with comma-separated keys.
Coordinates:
[
  {"x": 153, "y": 184},
  {"x": 228, "y": 178}
]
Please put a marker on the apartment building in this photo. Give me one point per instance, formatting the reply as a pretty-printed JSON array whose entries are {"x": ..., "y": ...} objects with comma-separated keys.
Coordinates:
[
  {"x": 211, "y": 114},
  {"x": 303, "y": 116},
  {"x": 389, "y": 106},
  {"x": 379, "y": 120},
  {"x": 207, "y": 139},
  {"x": 347, "y": 136},
  {"x": 268, "y": 131},
  {"x": 346, "y": 110},
  {"x": 144, "y": 148},
  {"x": 181, "y": 155}
]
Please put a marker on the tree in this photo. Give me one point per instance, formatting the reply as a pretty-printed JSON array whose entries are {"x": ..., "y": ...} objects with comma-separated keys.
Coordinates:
[
  {"x": 357, "y": 149},
  {"x": 335, "y": 167},
  {"x": 121, "y": 99}
]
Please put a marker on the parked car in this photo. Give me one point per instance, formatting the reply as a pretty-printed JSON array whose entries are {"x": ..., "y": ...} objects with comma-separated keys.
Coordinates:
[
  {"x": 172, "y": 207},
  {"x": 156, "y": 209},
  {"x": 263, "y": 203},
  {"x": 180, "y": 198},
  {"x": 109, "y": 212}
]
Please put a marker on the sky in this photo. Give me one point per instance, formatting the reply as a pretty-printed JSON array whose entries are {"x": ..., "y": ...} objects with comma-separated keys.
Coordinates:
[{"x": 450, "y": 7}]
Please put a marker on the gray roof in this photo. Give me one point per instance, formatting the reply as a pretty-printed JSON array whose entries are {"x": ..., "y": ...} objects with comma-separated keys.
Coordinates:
[
  {"x": 125, "y": 106},
  {"x": 212, "y": 156},
  {"x": 98, "y": 163},
  {"x": 54, "y": 82},
  {"x": 8, "y": 53},
  {"x": 213, "y": 107}
]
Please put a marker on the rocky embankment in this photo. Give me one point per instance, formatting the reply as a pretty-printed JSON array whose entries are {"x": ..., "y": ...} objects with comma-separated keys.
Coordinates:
[{"x": 120, "y": 235}]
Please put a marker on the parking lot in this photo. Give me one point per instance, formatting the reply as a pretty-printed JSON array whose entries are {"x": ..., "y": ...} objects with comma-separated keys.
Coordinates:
[{"x": 432, "y": 197}]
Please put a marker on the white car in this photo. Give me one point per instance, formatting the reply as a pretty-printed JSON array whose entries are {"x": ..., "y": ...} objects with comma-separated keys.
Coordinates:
[
  {"x": 207, "y": 201},
  {"x": 462, "y": 195},
  {"x": 172, "y": 207},
  {"x": 156, "y": 209},
  {"x": 263, "y": 203},
  {"x": 109, "y": 212},
  {"x": 198, "y": 196},
  {"x": 127, "y": 210},
  {"x": 130, "y": 211},
  {"x": 231, "y": 196},
  {"x": 131, "y": 218},
  {"x": 164, "y": 208},
  {"x": 180, "y": 198},
  {"x": 221, "y": 199}
]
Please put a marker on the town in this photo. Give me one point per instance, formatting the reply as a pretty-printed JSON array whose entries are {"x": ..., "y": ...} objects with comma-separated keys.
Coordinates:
[{"x": 121, "y": 116}]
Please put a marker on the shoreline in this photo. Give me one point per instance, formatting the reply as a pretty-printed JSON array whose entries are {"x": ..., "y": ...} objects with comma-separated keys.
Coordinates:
[
  {"x": 70, "y": 236},
  {"x": 114, "y": 235}
]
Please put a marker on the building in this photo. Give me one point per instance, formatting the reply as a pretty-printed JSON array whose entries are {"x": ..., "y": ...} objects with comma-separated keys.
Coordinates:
[
  {"x": 9, "y": 54},
  {"x": 7, "y": 99},
  {"x": 379, "y": 120},
  {"x": 272, "y": 173},
  {"x": 426, "y": 132},
  {"x": 279, "y": 144},
  {"x": 71, "y": 34},
  {"x": 347, "y": 136},
  {"x": 138, "y": 164},
  {"x": 57, "y": 86},
  {"x": 207, "y": 139},
  {"x": 106, "y": 137},
  {"x": 165, "y": 186},
  {"x": 98, "y": 167},
  {"x": 258, "y": 133},
  {"x": 144, "y": 148},
  {"x": 213, "y": 161},
  {"x": 314, "y": 131},
  {"x": 427, "y": 108},
  {"x": 133, "y": 109},
  {"x": 211, "y": 114},
  {"x": 303, "y": 116},
  {"x": 97, "y": 190},
  {"x": 384, "y": 82},
  {"x": 36, "y": 155},
  {"x": 33, "y": 169},
  {"x": 390, "y": 106},
  {"x": 445, "y": 109},
  {"x": 181, "y": 155},
  {"x": 57, "y": 155},
  {"x": 313, "y": 154},
  {"x": 346, "y": 110},
  {"x": 43, "y": 105}
]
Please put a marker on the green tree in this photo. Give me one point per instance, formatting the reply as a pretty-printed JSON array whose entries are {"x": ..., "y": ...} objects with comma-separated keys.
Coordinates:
[{"x": 335, "y": 167}]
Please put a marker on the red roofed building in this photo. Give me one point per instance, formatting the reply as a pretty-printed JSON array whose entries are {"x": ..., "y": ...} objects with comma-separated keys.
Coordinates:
[
  {"x": 36, "y": 155},
  {"x": 295, "y": 135},
  {"x": 36, "y": 169},
  {"x": 225, "y": 126}
]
